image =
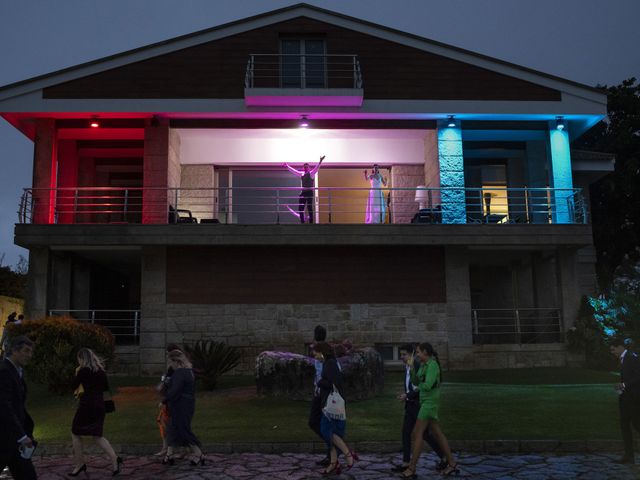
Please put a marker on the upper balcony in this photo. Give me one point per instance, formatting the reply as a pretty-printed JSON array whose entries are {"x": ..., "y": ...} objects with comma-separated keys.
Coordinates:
[{"x": 293, "y": 80}]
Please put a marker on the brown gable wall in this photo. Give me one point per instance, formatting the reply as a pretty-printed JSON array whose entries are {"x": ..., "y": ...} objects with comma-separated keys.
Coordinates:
[{"x": 217, "y": 69}]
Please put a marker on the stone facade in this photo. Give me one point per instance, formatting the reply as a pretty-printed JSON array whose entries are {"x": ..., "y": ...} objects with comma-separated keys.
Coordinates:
[
  {"x": 197, "y": 194},
  {"x": 403, "y": 201}
]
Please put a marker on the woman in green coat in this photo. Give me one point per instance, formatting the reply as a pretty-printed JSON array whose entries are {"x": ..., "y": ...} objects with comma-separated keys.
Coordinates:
[{"x": 428, "y": 380}]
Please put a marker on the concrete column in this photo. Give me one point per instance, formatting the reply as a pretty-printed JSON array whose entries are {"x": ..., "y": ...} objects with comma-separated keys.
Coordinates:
[
  {"x": 561, "y": 176},
  {"x": 459, "y": 323},
  {"x": 155, "y": 179},
  {"x": 37, "y": 283},
  {"x": 568, "y": 284},
  {"x": 44, "y": 171},
  {"x": 67, "y": 178},
  {"x": 60, "y": 268},
  {"x": 153, "y": 306},
  {"x": 451, "y": 174}
]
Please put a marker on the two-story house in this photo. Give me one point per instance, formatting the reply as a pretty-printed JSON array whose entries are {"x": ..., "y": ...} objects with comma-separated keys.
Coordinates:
[{"x": 161, "y": 207}]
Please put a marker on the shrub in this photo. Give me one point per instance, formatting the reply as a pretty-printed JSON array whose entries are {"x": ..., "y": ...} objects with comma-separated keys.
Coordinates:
[
  {"x": 211, "y": 359},
  {"x": 57, "y": 340}
]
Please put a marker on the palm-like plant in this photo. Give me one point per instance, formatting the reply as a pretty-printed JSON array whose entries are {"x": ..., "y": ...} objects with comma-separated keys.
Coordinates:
[{"x": 211, "y": 359}]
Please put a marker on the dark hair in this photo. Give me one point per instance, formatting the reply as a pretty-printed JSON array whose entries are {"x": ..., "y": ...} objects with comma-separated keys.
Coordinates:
[
  {"x": 319, "y": 334},
  {"x": 324, "y": 348},
  {"x": 407, "y": 347},
  {"x": 429, "y": 350},
  {"x": 620, "y": 341},
  {"x": 12, "y": 317},
  {"x": 15, "y": 344},
  {"x": 21, "y": 317},
  {"x": 172, "y": 346}
]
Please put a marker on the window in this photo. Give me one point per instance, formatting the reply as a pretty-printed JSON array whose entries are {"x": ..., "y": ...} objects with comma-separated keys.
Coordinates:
[
  {"x": 303, "y": 63},
  {"x": 390, "y": 353}
]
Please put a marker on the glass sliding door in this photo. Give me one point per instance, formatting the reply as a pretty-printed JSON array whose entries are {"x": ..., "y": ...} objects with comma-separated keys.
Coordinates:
[{"x": 303, "y": 63}]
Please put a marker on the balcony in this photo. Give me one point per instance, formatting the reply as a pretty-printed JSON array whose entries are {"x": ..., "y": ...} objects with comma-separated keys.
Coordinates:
[
  {"x": 517, "y": 326},
  {"x": 310, "y": 80}
]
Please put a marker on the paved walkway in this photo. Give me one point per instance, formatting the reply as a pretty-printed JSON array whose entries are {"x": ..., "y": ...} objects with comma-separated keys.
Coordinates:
[{"x": 298, "y": 466}]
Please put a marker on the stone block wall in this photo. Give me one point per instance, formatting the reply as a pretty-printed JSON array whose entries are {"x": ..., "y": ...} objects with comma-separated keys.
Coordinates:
[
  {"x": 432, "y": 166},
  {"x": 200, "y": 200},
  {"x": 403, "y": 203}
]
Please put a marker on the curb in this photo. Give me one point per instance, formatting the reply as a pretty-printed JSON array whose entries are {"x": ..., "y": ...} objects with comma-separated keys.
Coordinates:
[{"x": 488, "y": 447}]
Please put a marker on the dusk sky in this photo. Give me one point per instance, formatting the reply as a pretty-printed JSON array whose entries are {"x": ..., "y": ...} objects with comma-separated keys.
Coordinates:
[{"x": 588, "y": 41}]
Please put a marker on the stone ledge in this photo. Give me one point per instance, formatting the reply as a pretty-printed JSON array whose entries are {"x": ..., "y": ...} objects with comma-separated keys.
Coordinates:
[{"x": 490, "y": 447}]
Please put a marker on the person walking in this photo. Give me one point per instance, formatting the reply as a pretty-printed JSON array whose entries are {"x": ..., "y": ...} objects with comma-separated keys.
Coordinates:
[
  {"x": 89, "y": 384},
  {"x": 315, "y": 413},
  {"x": 307, "y": 177},
  {"x": 16, "y": 425},
  {"x": 428, "y": 378},
  {"x": 411, "y": 401},
  {"x": 163, "y": 415},
  {"x": 181, "y": 401},
  {"x": 628, "y": 394},
  {"x": 332, "y": 427}
]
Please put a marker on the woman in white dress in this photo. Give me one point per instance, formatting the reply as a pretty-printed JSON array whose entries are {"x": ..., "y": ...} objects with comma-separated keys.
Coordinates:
[{"x": 376, "y": 206}]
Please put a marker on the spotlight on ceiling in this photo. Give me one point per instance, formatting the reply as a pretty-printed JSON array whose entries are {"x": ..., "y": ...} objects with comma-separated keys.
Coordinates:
[
  {"x": 560, "y": 123},
  {"x": 304, "y": 122},
  {"x": 94, "y": 122},
  {"x": 451, "y": 121}
]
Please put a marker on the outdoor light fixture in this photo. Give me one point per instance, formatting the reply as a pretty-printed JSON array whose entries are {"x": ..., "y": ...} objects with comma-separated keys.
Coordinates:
[
  {"x": 94, "y": 122},
  {"x": 560, "y": 123},
  {"x": 304, "y": 122},
  {"x": 451, "y": 122}
]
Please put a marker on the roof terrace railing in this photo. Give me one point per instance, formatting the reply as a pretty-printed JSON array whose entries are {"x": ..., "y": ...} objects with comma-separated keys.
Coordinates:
[
  {"x": 302, "y": 71},
  {"x": 518, "y": 325},
  {"x": 277, "y": 205},
  {"x": 124, "y": 325}
]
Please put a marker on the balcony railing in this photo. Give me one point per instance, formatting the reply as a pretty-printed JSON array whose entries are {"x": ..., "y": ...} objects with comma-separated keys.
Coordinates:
[
  {"x": 124, "y": 325},
  {"x": 302, "y": 71},
  {"x": 519, "y": 326},
  {"x": 277, "y": 205}
]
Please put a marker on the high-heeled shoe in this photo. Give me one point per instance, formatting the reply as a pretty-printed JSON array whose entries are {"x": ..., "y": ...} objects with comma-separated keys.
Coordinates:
[
  {"x": 78, "y": 471},
  {"x": 118, "y": 469},
  {"x": 354, "y": 458},
  {"x": 409, "y": 474},
  {"x": 332, "y": 469},
  {"x": 168, "y": 459},
  {"x": 197, "y": 460},
  {"x": 451, "y": 470}
]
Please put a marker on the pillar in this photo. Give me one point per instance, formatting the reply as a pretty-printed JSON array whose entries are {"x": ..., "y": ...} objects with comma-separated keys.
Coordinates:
[
  {"x": 451, "y": 173},
  {"x": 459, "y": 325},
  {"x": 568, "y": 285},
  {"x": 44, "y": 171},
  {"x": 67, "y": 180},
  {"x": 155, "y": 179},
  {"x": 561, "y": 177},
  {"x": 37, "y": 283},
  {"x": 153, "y": 310}
]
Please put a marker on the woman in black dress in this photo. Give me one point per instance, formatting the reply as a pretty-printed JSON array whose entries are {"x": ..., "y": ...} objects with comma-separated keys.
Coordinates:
[
  {"x": 180, "y": 397},
  {"x": 90, "y": 383}
]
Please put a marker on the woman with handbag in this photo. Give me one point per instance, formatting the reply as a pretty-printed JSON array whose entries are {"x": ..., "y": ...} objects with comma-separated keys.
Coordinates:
[
  {"x": 334, "y": 417},
  {"x": 90, "y": 383},
  {"x": 163, "y": 414},
  {"x": 180, "y": 398}
]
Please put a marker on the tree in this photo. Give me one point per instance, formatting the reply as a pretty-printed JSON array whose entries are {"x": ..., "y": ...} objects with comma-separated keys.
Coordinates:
[{"x": 615, "y": 199}]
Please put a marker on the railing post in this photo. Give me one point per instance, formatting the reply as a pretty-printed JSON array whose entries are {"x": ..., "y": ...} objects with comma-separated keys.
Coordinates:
[
  {"x": 277, "y": 206},
  {"x": 93, "y": 316},
  {"x": 126, "y": 202},
  {"x": 526, "y": 205},
  {"x": 75, "y": 204},
  {"x": 355, "y": 74},
  {"x": 476, "y": 329},
  {"x": 329, "y": 200},
  {"x": 135, "y": 324},
  {"x": 518, "y": 331}
]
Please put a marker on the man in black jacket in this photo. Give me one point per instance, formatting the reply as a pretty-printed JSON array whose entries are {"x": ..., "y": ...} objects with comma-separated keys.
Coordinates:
[
  {"x": 629, "y": 394},
  {"x": 16, "y": 426},
  {"x": 411, "y": 399}
]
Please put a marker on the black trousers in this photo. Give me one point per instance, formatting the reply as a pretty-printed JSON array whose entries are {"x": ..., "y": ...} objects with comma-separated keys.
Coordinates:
[
  {"x": 315, "y": 415},
  {"x": 305, "y": 200},
  {"x": 411, "y": 410},
  {"x": 20, "y": 468},
  {"x": 629, "y": 416}
]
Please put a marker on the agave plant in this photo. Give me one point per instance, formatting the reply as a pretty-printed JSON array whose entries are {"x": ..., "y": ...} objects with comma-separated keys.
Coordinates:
[{"x": 211, "y": 359}]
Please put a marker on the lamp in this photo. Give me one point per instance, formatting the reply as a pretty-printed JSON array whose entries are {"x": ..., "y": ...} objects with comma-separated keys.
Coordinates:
[
  {"x": 422, "y": 195},
  {"x": 560, "y": 123},
  {"x": 304, "y": 122},
  {"x": 451, "y": 121},
  {"x": 94, "y": 122}
]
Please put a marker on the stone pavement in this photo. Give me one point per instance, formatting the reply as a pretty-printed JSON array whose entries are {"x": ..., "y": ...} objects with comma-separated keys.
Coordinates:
[{"x": 299, "y": 466}]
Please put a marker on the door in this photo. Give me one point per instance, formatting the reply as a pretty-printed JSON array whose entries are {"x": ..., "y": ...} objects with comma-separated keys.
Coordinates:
[{"x": 303, "y": 63}]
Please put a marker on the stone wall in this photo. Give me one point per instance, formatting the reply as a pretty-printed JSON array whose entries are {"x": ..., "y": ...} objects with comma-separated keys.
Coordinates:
[
  {"x": 432, "y": 166},
  {"x": 200, "y": 200},
  {"x": 403, "y": 203}
]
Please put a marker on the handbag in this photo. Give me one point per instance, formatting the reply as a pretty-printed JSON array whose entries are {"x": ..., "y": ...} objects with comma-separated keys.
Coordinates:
[
  {"x": 109, "y": 404},
  {"x": 335, "y": 407}
]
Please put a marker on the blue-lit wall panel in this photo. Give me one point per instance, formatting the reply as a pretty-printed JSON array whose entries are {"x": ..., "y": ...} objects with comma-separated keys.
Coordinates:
[
  {"x": 451, "y": 174},
  {"x": 560, "y": 173}
]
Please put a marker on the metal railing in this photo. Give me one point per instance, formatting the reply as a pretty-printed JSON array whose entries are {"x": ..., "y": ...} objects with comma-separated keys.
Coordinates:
[
  {"x": 124, "y": 325},
  {"x": 519, "y": 326},
  {"x": 276, "y": 205},
  {"x": 302, "y": 71}
]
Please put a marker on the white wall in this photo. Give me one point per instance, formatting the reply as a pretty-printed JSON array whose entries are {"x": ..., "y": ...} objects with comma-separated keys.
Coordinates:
[{"x": 252, "y": 147}]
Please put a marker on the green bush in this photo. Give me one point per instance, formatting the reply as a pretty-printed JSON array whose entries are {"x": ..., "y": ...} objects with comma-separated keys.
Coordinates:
[
  {"x": 57, "y": 340},
  {"x": 211, "y": 359}
]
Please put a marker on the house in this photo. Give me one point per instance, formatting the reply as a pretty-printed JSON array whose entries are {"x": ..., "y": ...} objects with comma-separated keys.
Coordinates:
[{"x": 160, "y": 206}]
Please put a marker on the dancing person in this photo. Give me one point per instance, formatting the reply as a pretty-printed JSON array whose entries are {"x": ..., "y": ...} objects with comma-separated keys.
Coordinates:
[
  {"x": 629, "y": 394},
  {"x": 89, "y": 384},
  {"x": 307, "y": 177},
  {"x": 16, "y": 426},
  {"x": 376, "y": 206},
  {"x": 163, "y": 415},
  {"x": 332, "y": 429},
  {"x": 428, "y": 379},
  {"x": 180, "y": 397},
  {"x": 411, "y": 401}
]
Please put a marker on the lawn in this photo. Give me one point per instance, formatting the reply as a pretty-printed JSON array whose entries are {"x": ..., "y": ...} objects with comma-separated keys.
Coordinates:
[{"x": 565, "y": 404}]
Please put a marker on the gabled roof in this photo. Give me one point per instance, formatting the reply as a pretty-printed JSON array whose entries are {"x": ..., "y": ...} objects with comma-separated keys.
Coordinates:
[{"x": 293, "y": 11}]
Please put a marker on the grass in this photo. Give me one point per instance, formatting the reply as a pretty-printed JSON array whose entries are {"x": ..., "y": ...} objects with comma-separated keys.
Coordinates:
[{"x": 565, "y": 404}]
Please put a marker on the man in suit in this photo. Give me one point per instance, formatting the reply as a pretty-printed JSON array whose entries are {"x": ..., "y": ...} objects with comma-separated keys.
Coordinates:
[
  {"x": 411, "y": 399},
  {"x": 16, "y": 426},
  {"x": 629, "y": 394}
]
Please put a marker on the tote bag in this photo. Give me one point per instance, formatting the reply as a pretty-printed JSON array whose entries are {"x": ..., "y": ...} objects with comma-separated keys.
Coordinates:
[{"x": 335, "y": 408}]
